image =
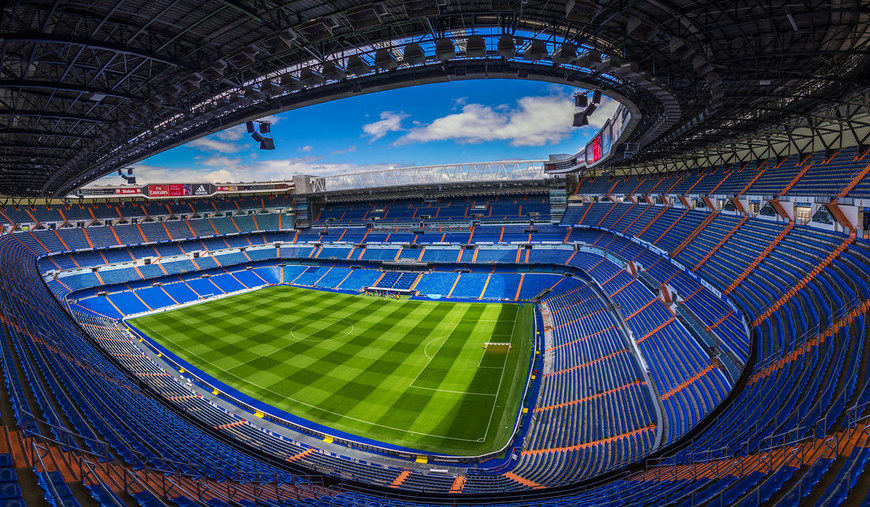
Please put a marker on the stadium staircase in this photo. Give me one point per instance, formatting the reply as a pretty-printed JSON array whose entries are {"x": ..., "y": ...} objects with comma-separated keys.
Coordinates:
[
  {"x": 668, "y": 229},
  {"x": 755, "y": 262},
  {"x": 859, "y": 177},
  {"x": 806, "y": 279},
  {"x": 690, "y": 237},
  {"x": 654, "y": 219},
  {"x": 721, "y": 242},
  {"x": 803, "y": 171},
  {"x": 759, "y": 172}
]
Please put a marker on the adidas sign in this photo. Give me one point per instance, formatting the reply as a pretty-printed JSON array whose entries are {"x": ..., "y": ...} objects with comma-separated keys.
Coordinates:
[{"x": 200, "y": 190}]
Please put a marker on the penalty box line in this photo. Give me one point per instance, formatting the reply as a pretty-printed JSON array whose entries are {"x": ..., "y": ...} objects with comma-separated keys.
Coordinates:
[{"x": 444, "y": 339}]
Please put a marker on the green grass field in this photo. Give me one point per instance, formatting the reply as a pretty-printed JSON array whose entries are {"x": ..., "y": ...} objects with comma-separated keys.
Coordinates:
[{"x": 410, "y": 373}]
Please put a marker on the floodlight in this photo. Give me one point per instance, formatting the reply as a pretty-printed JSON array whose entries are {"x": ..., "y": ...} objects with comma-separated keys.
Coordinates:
[
  {"x": 565, "y": 54},
  {"x": 537, "y": 50},
  {"x": 357, "y": 66},
  {"x": 475, "y": 47},
  {"x": 506, "y": 47},
  {"x": 413, "y": 54},
  {"x": 444, "y": 49},
  {"x": 385, "y": 59}
]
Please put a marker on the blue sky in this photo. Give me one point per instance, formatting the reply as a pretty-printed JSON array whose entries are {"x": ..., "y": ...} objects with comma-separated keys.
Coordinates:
[{"x": 463, "y": 121}]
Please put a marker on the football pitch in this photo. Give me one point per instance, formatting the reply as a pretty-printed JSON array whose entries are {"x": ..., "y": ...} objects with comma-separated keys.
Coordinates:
[{"x": 409, "y": 373}]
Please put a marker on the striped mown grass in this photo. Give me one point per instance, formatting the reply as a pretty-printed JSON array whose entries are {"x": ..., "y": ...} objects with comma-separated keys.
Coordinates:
[{"x": 409, "y": 373}]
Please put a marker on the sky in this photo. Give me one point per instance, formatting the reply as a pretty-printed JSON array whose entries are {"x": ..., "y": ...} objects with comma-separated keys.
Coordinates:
[{"x": 445, "y": 123}]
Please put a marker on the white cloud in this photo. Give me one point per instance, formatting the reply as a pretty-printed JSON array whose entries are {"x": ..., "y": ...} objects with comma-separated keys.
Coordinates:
[
  {"x": 209, "y": 144},
  {"x": 232, "y": 134},
  {"x": 390, "y": 122},
  {"x": 349, "y": 149},
  {"x": 227, "y": 170},
  {"x": 146, "y": 174},
  {"x": 220, "y": 161},
  {"x": 533, "y": 121},
  {"x": 306, "y": 149}
]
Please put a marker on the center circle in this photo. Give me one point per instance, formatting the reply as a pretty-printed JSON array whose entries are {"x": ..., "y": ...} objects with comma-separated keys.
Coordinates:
[{"x": 335, "y": 329}]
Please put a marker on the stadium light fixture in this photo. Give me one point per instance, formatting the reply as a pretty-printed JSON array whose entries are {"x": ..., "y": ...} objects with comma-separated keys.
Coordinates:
[
  {"x": 414, "y": 54},
  {"x": 333, "y": 71},
  {"x": 590, "y": 109},
  {"x": 565, "y": 54},
  {"x": 596, "y": 97},
  {"x": 537, "y": 50},
  {"x": 580, "y": 100},
  {"x": 506, "y": 47},
  {"x": 475, "y": 47},
  {"x": 385, "y": 60},
  {"x": 357, "y": 66},
  {"x": 310, "y": 77},
  {"x": 290, "y": 83},
  {"x": 444, "y": 49}
]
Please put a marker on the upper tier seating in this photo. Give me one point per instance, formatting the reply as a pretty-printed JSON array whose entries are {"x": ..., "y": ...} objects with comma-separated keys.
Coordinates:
[
  {"x": 491, "y": 209},
  {"x": 820, "y": 175}
]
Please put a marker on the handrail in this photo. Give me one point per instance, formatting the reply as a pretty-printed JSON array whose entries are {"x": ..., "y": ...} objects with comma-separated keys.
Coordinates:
[
  {"x": 175, "y": 468},
  {"x": 768, "y": 442},
  {"x": 87, "y": 469},
  {"x": 37, "y": 457}
]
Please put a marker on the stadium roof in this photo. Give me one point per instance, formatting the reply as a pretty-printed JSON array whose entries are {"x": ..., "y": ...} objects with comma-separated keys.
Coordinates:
[{"x": 90, "y": 86}]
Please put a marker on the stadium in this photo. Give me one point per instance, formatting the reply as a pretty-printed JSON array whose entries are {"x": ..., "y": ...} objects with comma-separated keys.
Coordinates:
[{"x": 674, "y": 314}]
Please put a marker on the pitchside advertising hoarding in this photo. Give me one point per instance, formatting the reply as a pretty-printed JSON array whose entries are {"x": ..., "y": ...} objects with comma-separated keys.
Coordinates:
[{"x": 180, "y": 190}]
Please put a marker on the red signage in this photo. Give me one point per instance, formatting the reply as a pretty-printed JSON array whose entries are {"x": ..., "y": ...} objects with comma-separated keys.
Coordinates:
[
  {"x": 172, "y": 190},
  {"x": 226, "y": 188},
  {"x": 158, "y": 190},
  {"x": 128, "y": 191},
  {"x": 593, "y": 151},
  {"x": 176, "y": 190}
]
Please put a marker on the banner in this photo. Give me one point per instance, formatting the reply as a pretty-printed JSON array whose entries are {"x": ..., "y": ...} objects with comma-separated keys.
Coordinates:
[
  {"x": 593, "y": 151},
  {"x": 127, "y": 191},
  {"x": 158, "y": 190},
  {"x": 203, "y": 189}
]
